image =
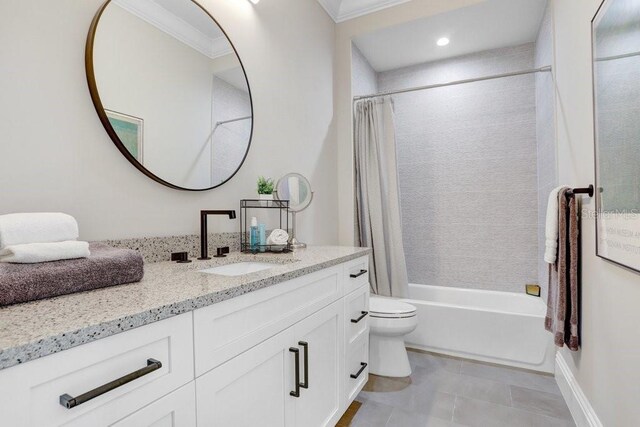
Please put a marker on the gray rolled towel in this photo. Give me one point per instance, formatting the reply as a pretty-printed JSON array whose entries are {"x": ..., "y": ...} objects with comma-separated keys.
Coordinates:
[{"x": 106, "y": 266}]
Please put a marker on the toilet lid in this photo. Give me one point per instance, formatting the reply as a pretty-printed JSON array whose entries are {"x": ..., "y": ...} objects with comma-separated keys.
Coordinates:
[{"x": 390, "y": 307}]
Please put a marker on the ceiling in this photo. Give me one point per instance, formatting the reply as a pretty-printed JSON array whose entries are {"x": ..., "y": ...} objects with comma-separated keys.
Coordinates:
[
  {"x": 342, "y": 10},
  {"x": 193, "y": 15},
  {"x": 491, "y": 24},
  {"x": 235, "y": 77}
]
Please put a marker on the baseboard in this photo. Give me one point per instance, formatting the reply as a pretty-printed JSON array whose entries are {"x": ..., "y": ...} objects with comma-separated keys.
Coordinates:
[{"x": 581, "y": 410}]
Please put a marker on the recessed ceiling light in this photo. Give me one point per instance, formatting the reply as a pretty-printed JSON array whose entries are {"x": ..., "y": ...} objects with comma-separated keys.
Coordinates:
[{"x": 443, "y": 41}]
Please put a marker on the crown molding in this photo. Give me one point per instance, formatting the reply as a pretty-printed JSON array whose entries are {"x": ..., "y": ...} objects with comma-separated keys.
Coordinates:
[
  {"x": 165, "y": 21},
  {"x": 332, "y": 7},
  {"x": 339, "y": 13}
]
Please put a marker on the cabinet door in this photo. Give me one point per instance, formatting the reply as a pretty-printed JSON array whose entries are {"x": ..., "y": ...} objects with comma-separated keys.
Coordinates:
[
  {"x": 252, "y": 389},
  {"x": 177, "y": 409},
  {"x": 319, "y": 403}
]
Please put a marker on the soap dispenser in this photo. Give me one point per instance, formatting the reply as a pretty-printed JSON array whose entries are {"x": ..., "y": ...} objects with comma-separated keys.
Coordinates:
[
  {"x": 253, "y": 235},
  {"x": 262, "y": 237}
]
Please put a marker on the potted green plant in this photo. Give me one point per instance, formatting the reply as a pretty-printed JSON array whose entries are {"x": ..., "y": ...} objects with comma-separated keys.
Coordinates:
[{"x": 265, "y": 188}]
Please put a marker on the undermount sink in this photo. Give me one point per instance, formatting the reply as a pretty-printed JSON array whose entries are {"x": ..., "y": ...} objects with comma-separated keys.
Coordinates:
[{"x": 239, "y": 268}]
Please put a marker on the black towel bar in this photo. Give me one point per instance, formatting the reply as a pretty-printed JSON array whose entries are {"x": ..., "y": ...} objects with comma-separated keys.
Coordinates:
[{"x": 588, "y": 190}]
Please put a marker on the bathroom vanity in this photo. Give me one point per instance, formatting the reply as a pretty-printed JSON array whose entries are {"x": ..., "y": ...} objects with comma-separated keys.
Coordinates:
[{"x": 282, "y": 346}]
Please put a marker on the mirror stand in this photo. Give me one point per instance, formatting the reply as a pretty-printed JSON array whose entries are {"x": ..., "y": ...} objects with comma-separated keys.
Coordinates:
[{"x": 293, "y": 242}]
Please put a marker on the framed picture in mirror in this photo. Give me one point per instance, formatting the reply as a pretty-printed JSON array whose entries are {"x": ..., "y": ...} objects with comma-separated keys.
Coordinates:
[{"x": 130, "y": 130}]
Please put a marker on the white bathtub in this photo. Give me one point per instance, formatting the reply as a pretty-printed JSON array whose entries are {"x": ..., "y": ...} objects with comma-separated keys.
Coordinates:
[{"x": 499, "y": 327}]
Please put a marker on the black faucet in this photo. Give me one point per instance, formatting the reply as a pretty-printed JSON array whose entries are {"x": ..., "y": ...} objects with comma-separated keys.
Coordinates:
[{"x": 204, "y": 245}]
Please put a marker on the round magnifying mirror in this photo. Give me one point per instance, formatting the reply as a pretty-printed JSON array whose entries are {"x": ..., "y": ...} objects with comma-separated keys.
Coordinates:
[
  {"x": 170, "y": 90},
  {"x": 297, "y": 189}
]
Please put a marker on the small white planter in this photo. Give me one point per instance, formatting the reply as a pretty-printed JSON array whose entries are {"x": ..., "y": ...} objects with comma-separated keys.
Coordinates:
[{"x": 265, "y": 196}]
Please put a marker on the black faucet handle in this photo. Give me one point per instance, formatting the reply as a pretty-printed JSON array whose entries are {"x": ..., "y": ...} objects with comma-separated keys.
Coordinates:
[
  {"x": 180, "y": 257},
  {"x": 220, "y": 252}
]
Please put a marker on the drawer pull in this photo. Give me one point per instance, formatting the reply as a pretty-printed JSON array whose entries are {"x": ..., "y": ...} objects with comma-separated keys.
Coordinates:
[
  {"x": 362, "y": 316},
  {"x": 71, "y": 402},
  {"x": 305, "y": 345},
  {"x": 296, "y": 353},
  {"x": 355, "y": 276},
  {"x": 363, "y": 366}
]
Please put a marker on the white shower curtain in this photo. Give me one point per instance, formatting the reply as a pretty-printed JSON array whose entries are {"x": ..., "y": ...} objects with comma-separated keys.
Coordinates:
[{"x": 378, "y": 219}]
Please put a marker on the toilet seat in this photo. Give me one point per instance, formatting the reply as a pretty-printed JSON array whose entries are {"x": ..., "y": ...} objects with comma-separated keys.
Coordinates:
[{"x": 389, "y": 308}]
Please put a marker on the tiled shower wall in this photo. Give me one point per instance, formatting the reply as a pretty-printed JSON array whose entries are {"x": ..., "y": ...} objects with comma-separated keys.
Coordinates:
[
  {"x": 546, "y": 138},
  {"x": 230, "y": 139},
  {"x": 468, "y": 171}
]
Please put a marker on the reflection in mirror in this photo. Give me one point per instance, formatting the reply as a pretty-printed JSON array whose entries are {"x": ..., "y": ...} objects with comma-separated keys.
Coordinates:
[
  {"x": 616, "y": 65},
  {"x": 172, "y": 90},
  {"x": 297, "y": 189}
]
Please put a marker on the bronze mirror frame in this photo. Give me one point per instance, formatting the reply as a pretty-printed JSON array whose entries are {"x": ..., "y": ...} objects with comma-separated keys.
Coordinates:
[{"x": 100, "y": 109}]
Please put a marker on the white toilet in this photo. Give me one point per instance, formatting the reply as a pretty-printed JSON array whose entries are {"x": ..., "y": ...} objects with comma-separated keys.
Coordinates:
[{"x": 390, "y": 320}]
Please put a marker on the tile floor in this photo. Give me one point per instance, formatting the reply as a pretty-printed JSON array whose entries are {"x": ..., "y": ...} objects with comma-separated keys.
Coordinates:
[{"x": 445, "y": 391}]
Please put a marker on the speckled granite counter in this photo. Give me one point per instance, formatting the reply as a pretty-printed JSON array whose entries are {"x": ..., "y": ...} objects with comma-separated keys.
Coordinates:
[{"x": 36, "y": 329}]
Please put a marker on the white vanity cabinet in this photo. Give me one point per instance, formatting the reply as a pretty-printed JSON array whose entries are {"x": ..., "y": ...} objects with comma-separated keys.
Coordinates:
[
  {"x": 291, "y": 354},
  {"x": 260, "y": 386},
  {"x": 30, "y": 394}
]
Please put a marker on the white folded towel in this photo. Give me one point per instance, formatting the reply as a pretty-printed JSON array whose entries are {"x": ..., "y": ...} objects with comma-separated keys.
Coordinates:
[
  {"x": 30, "y": 253},
  {"x": 551, "y": 227},
  {"x": 22, "y": 228},
  {"x": 278, "y": 237}
]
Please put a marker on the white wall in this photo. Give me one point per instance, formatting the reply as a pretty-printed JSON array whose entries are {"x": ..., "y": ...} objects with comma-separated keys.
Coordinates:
[
  {"x": 606, "y": 367},
  {"x": 56, "y": 156}
]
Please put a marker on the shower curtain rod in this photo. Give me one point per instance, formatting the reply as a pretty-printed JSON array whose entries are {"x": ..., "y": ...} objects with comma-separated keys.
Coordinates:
[
  {"x": 614, "y": 57},
  {"x": 232, "y": 120},
  {"x": 223, "y": 122},
  {"x": 453, "y": 83}
]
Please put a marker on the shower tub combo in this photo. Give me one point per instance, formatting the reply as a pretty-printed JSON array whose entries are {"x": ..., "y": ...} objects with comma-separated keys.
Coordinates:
[{"x": 498, "y": 327}]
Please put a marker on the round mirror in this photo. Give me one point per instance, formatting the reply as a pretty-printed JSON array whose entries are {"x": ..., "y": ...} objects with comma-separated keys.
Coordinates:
[
  {"x": 170, "y": 91},
  {"x": 295, "y": 188}
]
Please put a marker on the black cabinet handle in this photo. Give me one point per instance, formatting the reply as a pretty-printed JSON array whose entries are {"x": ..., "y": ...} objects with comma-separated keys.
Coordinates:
[
  {"x": 363, "y": 366},
  {"x": 355, "y": 276},
  {"x": 362, "y": 316},
  {"x": 71, "y": 402},
  {"x": 296, "y": 353},
  {"x": 305, "y": 345}
]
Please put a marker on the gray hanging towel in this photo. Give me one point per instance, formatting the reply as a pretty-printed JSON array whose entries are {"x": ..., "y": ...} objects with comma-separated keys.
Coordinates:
[{"x": 562, "y": 300}]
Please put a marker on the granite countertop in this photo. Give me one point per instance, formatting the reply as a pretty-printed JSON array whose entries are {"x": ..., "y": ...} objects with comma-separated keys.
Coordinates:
[{"x": 36, "y": 329}]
